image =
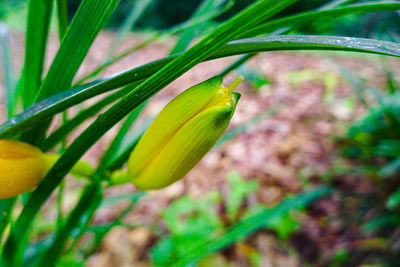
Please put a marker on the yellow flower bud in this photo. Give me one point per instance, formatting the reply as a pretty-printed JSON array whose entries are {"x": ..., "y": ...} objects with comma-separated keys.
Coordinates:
[
  {"x": 23, "y": 166},
  {"x": 184, "y": 131}
]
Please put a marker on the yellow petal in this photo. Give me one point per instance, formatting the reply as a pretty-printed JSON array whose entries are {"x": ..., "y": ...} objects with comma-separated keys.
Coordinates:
[
  {"x": 186, "y": 147},
  {"x": 170, "y": 119},
  {"x": 22, "y": 167}
]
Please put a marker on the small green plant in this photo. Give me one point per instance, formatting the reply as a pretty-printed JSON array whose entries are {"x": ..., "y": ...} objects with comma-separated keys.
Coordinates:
[
  {"x": 372, "y": 145},
  {"x": 194, "y": 224}
]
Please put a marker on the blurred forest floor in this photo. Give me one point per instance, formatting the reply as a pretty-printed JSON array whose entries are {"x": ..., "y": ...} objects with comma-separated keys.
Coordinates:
[{"x": 290, "y": 150}]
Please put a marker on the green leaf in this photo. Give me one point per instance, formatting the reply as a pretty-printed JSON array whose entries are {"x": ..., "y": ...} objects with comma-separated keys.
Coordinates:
[
  {"x": 89, "y": 196},
  {"x": 383, "y": 221},
  {"x": 394, "y": 200},
  {"x": 191, "y": 223},
  {"x": 164, "y": 251},
  {"x": 173, "y": 30},
  {"x": 62, "y": 18},
  {"x": 118, "y": 140},
  {"x": 249, "y": 225},
  {"x": 9, "y": 77},
  {"x": 336, "y": 3},
  {"x": 39, "y": 14},
  {"x": 253, "y": 76},
  {"x": 133, "y": 17},
  {"x": 190, "y": 33},
  {"x": 6, "y": 206},
  {"x": 389, "y": 148},
  {"x": 115, "y": 199},
  {"x": 390, "y": 168},
  {"x": 306, "y": 17},
  {"x": 70, "y": 125},
  {"x": 89, "y": 19},
  {"x": 239, "y": 188},
  {"x": 121, "y": 156},
  {"x": 48, "y": 107}
]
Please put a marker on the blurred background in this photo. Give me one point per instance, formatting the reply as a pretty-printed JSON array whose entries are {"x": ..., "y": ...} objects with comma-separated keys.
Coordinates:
[{"x": 307, "y": 121}]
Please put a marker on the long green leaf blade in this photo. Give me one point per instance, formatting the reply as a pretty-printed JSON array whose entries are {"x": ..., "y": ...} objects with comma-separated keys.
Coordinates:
[
  {"x": 189, "y": 34},
  {"x": 9, "y": 77},
  {"x": 116, "y": 144},
  {"x": 306, "y": 17},
  {"x": 133, "y": 17},
  {"x": 39, "y": 14},
  {"x": 90, "y": 196},
  {"x": 70, "y": 125},
  {"x": 62, "y": 18},
  {"x": 58, "y": 103},
  {"x": 89, "y": 19}
]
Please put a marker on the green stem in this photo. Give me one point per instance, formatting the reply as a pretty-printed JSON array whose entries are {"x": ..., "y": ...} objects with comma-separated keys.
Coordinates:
[{"x": 90, "y": 195}]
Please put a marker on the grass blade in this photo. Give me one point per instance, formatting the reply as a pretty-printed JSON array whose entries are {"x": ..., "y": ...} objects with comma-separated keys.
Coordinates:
[
  {"x": 190, "y": 33},
  {"x": 70, "y": 125},
  {"x": 336, "y": 3},
  {"x": 9, "y": 78},
  {"x": 133, "y": 17},
  {"x": 127, "y": 145},
  {"x": 5, "y": 214},
  {"x": 39, "y": 14},
  {"x": 116, "y": 144},
  {"x": 90, "y": 195},
  {"x": 101, "y": 231},
  {"x": 89, "y": 19},
  {"x": 237, "y": 64},
  {"x": 307, "y": 17},
  {"x": 173, "y": 30},
  {"x": 51, "y": 106},
  {"x": 62, "y": 18}
]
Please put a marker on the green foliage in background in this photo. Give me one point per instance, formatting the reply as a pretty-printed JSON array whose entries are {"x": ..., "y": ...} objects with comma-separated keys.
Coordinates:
[
  {"x": 372, "y": 145},
  {"x": 196, "y": 226}
]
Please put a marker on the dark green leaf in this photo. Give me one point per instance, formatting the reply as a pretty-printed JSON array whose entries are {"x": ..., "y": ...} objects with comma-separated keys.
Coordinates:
[
  {"x": 62, "y": 18},
  {"x": 307, "y": 17},
  {"x": 189, "y": 34},
  {"x": 89, "y": 19},
  {"x": 39, "y": 14},
  {"x": 48, "y": 107},
  {"x": 89, "y": 196},
  {"x": 70, "y": 125}
]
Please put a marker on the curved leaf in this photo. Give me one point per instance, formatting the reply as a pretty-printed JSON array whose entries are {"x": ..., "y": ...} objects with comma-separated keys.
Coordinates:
[
  {"x": 53, "y": 105},
  {"x": 307, "y": 17}
]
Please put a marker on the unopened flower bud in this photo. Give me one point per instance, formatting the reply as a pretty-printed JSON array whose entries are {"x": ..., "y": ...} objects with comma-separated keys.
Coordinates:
[
  {"x": 23, "y": 166},
  {"x": 184, "y": 131}
]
